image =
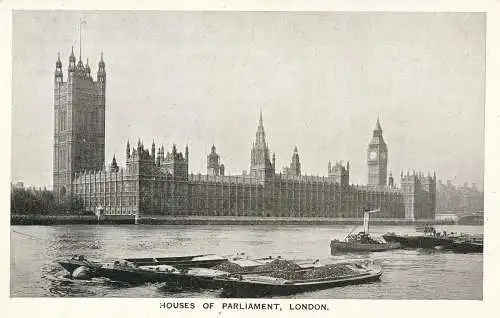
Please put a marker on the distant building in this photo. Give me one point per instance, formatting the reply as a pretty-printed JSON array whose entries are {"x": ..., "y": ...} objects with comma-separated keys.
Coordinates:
[
  {"x": 17, "y": 185},
  {"x": 214, "y": 167},
  {"x": 155, "y": 182},
  {"x": 459, "y": 199}
]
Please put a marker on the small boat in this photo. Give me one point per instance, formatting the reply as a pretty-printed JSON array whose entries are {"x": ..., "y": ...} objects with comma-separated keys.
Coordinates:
[
  {"x": 285, "y": 283},
  {"x": 362, "y": 242}
]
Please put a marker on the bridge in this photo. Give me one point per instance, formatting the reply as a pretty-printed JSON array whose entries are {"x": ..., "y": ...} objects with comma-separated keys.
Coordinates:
[{"x": 476, "y": 218}]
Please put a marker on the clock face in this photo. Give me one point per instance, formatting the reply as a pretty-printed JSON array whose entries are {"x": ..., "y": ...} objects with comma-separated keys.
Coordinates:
[{"x": 373, "y": 155}]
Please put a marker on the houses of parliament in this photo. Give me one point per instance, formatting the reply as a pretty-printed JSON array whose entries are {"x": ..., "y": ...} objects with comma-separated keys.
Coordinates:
[{"x": 156, "y": 181}]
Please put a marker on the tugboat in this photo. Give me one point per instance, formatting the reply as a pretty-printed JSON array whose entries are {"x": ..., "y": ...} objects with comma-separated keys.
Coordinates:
[{"x": 362, "y": 242}]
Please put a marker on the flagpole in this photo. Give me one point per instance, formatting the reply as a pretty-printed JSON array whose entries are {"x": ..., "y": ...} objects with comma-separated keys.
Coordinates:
[
  {"x": 80, "y": 39},
  {"x": 82, "y": 22}
]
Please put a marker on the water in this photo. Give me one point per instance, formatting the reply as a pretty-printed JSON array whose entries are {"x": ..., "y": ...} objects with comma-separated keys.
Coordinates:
[{"x": 408, "y": 274}]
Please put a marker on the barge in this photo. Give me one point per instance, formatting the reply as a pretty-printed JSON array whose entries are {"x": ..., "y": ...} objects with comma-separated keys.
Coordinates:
[
  {"x": 431, "y": 239},
  {"x": 241, "y": 275},
  {"x": 321, "y": 277}
]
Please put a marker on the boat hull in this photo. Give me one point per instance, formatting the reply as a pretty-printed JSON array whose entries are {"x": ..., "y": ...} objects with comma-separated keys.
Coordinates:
[
  {"x": 244, "y": 288},
  {"x": 140, "y": 276},
  {"x": 179, "y": 262},
  {"x": 71, "y": 265},
  {"x": 420, "y": 241},
  {"x": 339, "y": 246},
  {"x": 466, "y": 247}
]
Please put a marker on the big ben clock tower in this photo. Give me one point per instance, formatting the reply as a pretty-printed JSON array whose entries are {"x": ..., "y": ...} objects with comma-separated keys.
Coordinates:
[{"x": 377, "y": 158}]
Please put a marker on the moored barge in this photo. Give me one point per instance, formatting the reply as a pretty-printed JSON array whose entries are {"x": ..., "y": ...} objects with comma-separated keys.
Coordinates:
[{"x": 321, "y": 277}]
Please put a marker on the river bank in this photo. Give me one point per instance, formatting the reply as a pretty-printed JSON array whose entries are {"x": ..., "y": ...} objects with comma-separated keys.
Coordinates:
[{"x": 205, "y": 220}]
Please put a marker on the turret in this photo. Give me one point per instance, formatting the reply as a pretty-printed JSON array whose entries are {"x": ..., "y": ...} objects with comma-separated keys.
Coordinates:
[
  {"x": 58, "y": 75},
  {"x": 153, "y": 150},
  {"x": 87, "y": 70},
  {"x": 80, "y": 69},
  {"x": 127, "y": 152},
  {"x": 391, "y": 180},
  {"x": 114, "y": 165},
  {"x": 158, "y": 157},
  {"x": 101, "y": 72},
  {"x": 186, "y": 153},
  {"x": 72, "y": 61},
  {"x": 274, "y": 162}
]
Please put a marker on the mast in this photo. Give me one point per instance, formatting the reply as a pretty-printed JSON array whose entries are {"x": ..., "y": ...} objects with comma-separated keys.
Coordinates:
[{"x": 366, "y": 220}]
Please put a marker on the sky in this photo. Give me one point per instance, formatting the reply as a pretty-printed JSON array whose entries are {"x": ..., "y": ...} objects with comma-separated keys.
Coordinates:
[{"x": 320, "y": 79}]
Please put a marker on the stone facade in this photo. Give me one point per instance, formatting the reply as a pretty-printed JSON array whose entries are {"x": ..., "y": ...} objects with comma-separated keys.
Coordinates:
[
  {"x": 459, "y": 199},
  {"x": 79, "y": 122},
  {"x": 155, "y": 182}
]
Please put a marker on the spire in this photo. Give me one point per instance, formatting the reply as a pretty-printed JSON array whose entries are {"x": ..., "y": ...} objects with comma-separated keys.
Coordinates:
[
  {"x": 377, "y": 125},
  {"x": 153, "y": 150},
  {"x": 260, "y": 136},
  {"x": 72, "y": 56},
  {"x": 58, "y": 63},
  {"x": 87, "y": 69},
  {"x": 114, "y": 165},
  {"x": 295, "y": 149},
  {"x": 101, "y": 71}
]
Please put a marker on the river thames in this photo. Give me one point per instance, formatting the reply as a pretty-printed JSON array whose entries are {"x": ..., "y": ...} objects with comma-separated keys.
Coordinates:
[{"x": 408, "y": 274}]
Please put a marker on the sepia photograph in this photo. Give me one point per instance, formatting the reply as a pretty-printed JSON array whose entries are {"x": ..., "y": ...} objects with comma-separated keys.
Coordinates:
[{"x": 247, "y": 154}]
